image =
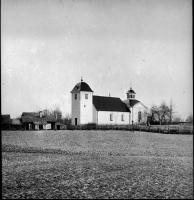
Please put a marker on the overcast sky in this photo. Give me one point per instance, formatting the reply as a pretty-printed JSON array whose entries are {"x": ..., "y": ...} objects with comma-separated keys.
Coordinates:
[{"x": 48, "y": 45}]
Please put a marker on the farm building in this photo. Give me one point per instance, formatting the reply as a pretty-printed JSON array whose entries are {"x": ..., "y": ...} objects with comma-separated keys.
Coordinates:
[
  {"x": 37, "y": 121},
  {"x": 5, "y": 122},
  {"x": 88, "y": 108},
  {"x": 60, "y": 126}
]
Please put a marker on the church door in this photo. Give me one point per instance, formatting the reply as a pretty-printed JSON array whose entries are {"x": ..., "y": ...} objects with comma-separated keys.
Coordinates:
[{"x": 75, "y": 121}]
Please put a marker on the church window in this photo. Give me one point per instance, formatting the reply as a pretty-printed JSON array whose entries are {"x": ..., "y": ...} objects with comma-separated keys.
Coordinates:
[
  {"x": 75, "y": 96},
  {"x": 139, "y": 116},
  {"x": 111, "y": 117},
  {"x": 86, "y": 96},
  {"x": 122, "y": 117}
]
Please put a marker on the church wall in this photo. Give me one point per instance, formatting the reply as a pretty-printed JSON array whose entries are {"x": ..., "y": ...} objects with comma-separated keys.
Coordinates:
[
  {"x": 104, "y": 118},
  {"x": 95, "y": 115},
  {"x": 86, "y": 107},
  {"x": 75, "y": 108},
  {"x": 136, "y": 108}
]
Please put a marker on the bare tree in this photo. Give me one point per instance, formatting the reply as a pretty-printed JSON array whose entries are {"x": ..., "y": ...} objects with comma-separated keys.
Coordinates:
[
  {"x": 56, "y": 111},
  {"x": 189, "y": 118},
  {"x": 156, "y": 113},
  {"x": 67, "y": 119},
  {"x": 150, "y": 115},
  {"x": 171, "y": 111},
  {"x": 160, "y": 113},
  {"x": 177, "y": 119},
  {"x": 46, "y": 112},
  {"x": 164, "y": 111}
]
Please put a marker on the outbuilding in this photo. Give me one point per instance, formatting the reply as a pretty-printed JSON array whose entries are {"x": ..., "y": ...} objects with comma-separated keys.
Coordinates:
[{"x": 37, "y": 121}]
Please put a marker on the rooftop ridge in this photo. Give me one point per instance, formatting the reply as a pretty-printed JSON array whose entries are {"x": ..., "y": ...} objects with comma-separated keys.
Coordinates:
[{"x": 106, "y": 96}]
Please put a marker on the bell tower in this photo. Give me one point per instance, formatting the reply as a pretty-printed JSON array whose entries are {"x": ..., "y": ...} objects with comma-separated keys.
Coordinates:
[
  {"x": 130, "y": 94},
  {"x": 81, "y": 104}
]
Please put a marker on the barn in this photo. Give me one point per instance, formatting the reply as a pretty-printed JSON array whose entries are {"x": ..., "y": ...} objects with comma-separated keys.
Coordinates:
[{"x": 37, "y": 121}]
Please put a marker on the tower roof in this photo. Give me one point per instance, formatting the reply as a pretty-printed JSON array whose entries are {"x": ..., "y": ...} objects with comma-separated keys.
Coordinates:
[
  {"x": 131, "y": 91},
  {"x": 132, "y": 102},
  {"x": 82, "y": 86}
]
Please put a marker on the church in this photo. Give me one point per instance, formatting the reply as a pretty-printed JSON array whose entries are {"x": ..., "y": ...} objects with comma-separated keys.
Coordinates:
[{"x": 89, "y": 108}]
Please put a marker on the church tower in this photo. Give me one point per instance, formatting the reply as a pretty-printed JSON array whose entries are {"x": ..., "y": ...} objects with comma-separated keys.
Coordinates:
[
  {"x": 81, "y": 104},
  {"x": 137, "y": 109}
]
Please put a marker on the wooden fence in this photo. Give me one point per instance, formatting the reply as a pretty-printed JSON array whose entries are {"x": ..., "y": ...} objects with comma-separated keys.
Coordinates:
[
  {"x": 171, "y": 129},
  {"x": 168, "y": 129}
]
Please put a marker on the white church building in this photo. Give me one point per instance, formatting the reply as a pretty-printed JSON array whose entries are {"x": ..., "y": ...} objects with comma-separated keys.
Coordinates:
[{"x": 89, "y": 108}]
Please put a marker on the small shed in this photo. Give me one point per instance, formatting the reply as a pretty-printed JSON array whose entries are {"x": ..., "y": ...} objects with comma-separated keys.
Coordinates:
[{"x": 60, "y": 126}]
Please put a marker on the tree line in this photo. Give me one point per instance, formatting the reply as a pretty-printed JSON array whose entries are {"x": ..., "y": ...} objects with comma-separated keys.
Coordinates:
[
  {"x": 164, "y": 114},
  {"x": 57, "y": 113}
]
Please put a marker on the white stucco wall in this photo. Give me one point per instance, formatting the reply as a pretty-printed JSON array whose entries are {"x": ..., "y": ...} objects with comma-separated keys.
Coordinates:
[
  {"x": 47, "y": 126},
  {"x": 75, "y": 108},
  {"x": 134, "y": 113},
  {"x": 104, "y": 118},
  {"x": 86, "y": 108},
  {"x": 95, "y": 114}
]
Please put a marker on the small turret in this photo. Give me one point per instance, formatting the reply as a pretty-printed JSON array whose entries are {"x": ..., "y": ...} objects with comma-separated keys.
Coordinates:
[{"x": 131, "y": 94}]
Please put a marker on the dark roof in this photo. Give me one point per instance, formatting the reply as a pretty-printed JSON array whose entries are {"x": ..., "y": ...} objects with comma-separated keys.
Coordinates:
[
  {"x": 132, "y": 102},
  {"x": 36, "y": 114},
  {"x": 5, "y": 119},
  {"x": 109, "y": 104},
  {"x": 131, "y": 91},
  {"x": 82, "y": 86},
  {"x": 35, "y": 117}
]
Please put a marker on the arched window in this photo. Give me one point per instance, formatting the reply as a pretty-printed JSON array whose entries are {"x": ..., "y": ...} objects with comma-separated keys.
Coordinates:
[
  {"x": 122, "y": 117},
  {"x": 139, "y": 116},
  {"x": 111, "y": 117}
]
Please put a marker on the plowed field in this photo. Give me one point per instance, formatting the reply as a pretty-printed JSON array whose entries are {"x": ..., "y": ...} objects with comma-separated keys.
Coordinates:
[{"x": 96, "y": 164}]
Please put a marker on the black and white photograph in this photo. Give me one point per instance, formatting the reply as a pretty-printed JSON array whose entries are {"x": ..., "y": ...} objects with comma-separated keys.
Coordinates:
[{"x": 97, "y": 99}]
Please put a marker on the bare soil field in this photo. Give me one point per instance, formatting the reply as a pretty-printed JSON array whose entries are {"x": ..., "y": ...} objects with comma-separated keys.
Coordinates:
[{"x": 96, "y": 164}]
